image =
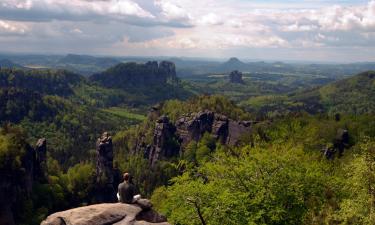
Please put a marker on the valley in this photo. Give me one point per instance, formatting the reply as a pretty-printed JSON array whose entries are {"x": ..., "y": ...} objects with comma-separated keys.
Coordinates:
[{"x": 269, "y": 134}]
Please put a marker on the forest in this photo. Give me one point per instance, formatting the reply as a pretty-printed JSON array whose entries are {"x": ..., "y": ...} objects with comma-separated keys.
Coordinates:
[{"x": 290, "y": 162}]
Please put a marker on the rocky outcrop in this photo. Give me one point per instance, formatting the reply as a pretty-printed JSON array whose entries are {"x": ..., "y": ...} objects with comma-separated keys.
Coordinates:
[
  {"x": 107, "y": 214},
  {"x": 105, "y": 191},
  {"x": 130, "y": 75},
  {"x": 164, "y": 144},
  {"x": 16, "y": 184},
  {"x": 41, "y": 160},
  {"x": 340, "y": 142},
  {"x": 236, "y": 77},
  {"x": 170, "y": 139},
  {"x": 225, "y": 130}
]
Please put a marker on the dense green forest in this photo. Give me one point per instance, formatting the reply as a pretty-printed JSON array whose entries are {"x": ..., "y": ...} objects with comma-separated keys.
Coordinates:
[
  {"x": 281, "y": 178},
  {"x": 292, "y": 168}
]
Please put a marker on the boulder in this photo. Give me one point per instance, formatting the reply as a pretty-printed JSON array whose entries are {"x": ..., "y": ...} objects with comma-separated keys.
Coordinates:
[{"x": 107, "y": 214}]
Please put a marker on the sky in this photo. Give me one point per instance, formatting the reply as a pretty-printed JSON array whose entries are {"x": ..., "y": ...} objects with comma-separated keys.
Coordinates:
[{"x": 310, "y": 30}]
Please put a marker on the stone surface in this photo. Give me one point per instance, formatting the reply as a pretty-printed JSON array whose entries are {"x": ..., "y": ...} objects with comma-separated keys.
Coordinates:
[
  {"x": 227, "y": 131},
  {"x": 106, "y": 214},
  {"x": 163, "y": 141},
  {"x": 169, "y": 139},
  {"x": 105, "y": 190},
  {"x": 41, "y": 160}
]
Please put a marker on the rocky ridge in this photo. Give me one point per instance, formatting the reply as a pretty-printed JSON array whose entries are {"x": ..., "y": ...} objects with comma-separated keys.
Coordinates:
[
  {"x": 169, "y": 139},
  {"x": 130, "y": 75}
]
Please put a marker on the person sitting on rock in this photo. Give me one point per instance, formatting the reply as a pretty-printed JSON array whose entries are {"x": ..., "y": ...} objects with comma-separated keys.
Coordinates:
[{"x": 127, "y": 191}]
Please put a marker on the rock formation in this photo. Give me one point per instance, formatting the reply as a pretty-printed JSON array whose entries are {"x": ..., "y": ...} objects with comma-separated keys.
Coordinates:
[
  {"x": 16, "y": 184},
  {"x": 225, "y": 130},
  {"x": 340, "y": 142},
  {"x": 164, "y": 142},
  {"x": 107, "y": 214},
  {"x": 130, "y": 75},
  {"x": 236, "y": 77},
  {"x": 41, "y": 160},
  {"x": 105, "y": 191},
  {"x": 169, "y": 139}
]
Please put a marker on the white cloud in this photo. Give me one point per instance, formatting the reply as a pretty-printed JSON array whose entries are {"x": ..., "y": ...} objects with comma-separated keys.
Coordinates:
[
  {"x": 191, "y": 26},
  {"x": 11, "y": 28},
  {"x": 210, "y": 20}
]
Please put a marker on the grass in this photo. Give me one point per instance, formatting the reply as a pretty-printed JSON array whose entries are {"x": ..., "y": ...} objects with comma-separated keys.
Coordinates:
[{"x": 125, "y": 113}]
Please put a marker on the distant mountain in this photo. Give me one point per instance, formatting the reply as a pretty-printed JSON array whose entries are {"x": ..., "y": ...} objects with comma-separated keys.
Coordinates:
[
  {"x": 232, "y": 64},
  {"x": 6, "y": 63},
  {"x": 354, "y": 95},
  {"x": 89, "y": 60}
]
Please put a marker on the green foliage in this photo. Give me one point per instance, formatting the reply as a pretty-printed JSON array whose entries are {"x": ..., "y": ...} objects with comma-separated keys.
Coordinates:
[
  {"x": 358, "y": 204},
  {"x": 13, "y": 148},
  {"x": 80, "y": 180},
  {"x": 282, "y": 179},
  {"x": 352, "y": 96},
  {"x": 259, "y": 186},
  {"x": 217, "y": 103},
  {"x": 49, "y": 82},
  {"x": 126, "y": 114}
]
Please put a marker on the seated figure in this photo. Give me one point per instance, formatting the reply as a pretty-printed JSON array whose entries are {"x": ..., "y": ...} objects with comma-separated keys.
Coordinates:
[{"x": 127, "y": 191}]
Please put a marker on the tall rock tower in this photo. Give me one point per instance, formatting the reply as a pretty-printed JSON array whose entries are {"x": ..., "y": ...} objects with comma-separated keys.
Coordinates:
[{"x": 105, "y": 191}]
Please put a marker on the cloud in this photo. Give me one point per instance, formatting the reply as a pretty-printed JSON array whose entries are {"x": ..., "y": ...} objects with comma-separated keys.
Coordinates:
[
  {"x": 210, "y": 20},
  {"x": 10, "y": 28},
  {"x": 205, "y": 27}
]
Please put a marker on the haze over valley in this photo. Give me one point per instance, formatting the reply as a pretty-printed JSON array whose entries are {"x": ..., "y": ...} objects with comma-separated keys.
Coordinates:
[{"x": 215, "y": 112}]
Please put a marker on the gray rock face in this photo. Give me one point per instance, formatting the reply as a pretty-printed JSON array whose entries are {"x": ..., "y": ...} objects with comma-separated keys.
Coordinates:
[
  {"x": 227, "y": 131},
  {"x": 104, "y": 170},
  {"x": 107, "y": 214},
  {"x": 170, "y": 139},
  {"x": 236, "y": 77},
  {"x": 168, "y": 69},
  {"x": 164, "y": 143},
  {"x": 41, "y": 160}
]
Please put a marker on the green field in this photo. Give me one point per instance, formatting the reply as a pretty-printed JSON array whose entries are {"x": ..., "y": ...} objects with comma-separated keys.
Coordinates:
[{"x": 125, "y": 113}]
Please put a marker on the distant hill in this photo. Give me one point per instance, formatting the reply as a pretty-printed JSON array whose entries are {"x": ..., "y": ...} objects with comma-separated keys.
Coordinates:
[
  {"x": 128, "y": 75},
  {"x": 6, "y": 63},
  {"x": 58, "y": 82},
  {"x": 232, "y": 64},
  {"x": 84, "y": 64},
  {"x": 354, "y": 95},
  {"x": 152, "y": 80},
  {"x": 89, "y": 60}
]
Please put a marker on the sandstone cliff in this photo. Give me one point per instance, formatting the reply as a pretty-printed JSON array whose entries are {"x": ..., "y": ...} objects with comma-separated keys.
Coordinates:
[{"x": 169, "y": 139}]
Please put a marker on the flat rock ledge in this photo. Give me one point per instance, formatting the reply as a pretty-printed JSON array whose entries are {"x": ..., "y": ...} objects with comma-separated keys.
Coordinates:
[{"x": 107, "y": 214}]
